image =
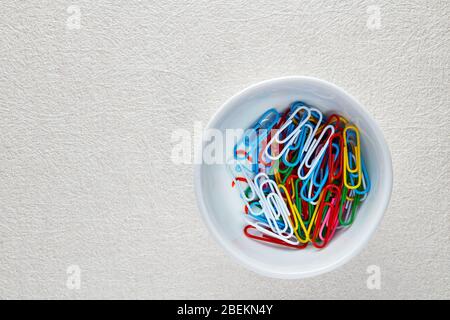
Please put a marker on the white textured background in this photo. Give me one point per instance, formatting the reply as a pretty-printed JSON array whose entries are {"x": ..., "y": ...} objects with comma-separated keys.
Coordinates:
[{"x": 85, "y": 123}]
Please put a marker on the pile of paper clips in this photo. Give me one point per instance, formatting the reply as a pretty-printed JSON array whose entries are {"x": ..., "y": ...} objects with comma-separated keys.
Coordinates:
[{"x": 301, "y": 176}]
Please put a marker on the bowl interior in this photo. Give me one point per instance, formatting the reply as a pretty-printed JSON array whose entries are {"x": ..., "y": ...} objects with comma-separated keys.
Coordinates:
[{"x": 222, "y": 207}]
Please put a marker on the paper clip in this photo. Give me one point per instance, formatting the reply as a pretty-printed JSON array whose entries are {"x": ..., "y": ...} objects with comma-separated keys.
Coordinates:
[
  {"x": 331, "y": 216},
  {"x": 274, "y": 209},
  {"x": 335, "y": 158},
  {"x": 312, "y": 149},
  {"x": 357, "y": 152},
  {"x": 298, "y": 224},
  {"x": 366, "y": 185},
  {"x": 288, "y": 140},
  {"x": 299, "y": 146},
  {"x": 264, "y": 237}
]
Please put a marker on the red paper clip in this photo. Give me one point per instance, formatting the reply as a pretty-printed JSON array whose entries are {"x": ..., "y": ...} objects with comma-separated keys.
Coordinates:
[{"x": 268, "y": 239}]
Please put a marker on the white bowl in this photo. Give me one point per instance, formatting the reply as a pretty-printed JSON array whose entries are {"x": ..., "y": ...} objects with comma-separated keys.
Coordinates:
[{"x": 221, "y": 207}]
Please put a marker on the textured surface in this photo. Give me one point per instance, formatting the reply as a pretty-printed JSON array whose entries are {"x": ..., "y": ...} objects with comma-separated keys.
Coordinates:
[{"x": 85, "y": 122}]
